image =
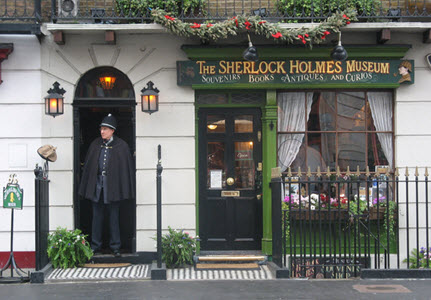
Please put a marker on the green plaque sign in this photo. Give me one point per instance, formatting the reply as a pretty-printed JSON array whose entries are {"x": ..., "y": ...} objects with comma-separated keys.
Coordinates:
[
  {"x": 295, "y": 72},
  {"x": 12, "y": 196}
]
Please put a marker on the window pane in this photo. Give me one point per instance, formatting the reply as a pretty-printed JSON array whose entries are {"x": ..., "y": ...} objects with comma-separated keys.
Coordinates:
[
  {"x": 351, "y": 111},
  {"x": 351, "y": 151},
  {"x": 376, "y": 154},
  {"x": 216, "y": 124},
  {"x": 322, "y": 114},
  {"x": 244, "y": 165},
  {"x": 244, "y": 123},
  {"x": 248, "y": 98},
  {"x": 212, "y": 99},
  {"x": 216, "y": 165}
]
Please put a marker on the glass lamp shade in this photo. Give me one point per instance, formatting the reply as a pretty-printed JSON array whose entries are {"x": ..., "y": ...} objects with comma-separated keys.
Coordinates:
[
  {"x": 107, "y": 82},
  {"x": 54, "y": 105},
  {"x": 150, "y": 103}
]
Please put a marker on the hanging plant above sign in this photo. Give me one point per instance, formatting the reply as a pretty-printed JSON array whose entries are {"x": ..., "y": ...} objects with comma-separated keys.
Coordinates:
[{"x": 254, "y": 24}]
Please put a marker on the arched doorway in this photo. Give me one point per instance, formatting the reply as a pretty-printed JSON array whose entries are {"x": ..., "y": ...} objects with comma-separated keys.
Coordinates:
[{"x": 92, "y": 102}]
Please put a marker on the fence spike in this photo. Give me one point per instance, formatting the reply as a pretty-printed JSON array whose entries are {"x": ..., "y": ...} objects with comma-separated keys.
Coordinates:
[
  {"x": 319, "y": 174},
  {"x": 338, "y": 172},
  {"x": 328, "y": 172},
  {"x": 358, "y": 172},
  {"x": 348, "y": 171},
  {"x": 367, "y": 171},
  {"x": 299, "y": 172},
  {"x": 309, "y": 172},
  {"x": 387, "y": 172},
  {"x": 397, "y": 172},
  {"x": 289, "y": 172},
  {"x": 417, "y": 172},
  {"x": 407, "y": 172},
  {"x": 426, "y": 172}
]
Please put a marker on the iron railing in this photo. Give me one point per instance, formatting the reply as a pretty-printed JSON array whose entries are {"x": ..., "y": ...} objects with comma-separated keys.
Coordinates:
[
  {"x": 42, "y": 218},
  {"x": 139, "y": 11},
  {"x": 334, "y": 225}
]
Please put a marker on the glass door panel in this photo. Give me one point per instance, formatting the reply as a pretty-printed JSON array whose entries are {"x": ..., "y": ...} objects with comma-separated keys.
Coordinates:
[{"x": 244, "y": 165}]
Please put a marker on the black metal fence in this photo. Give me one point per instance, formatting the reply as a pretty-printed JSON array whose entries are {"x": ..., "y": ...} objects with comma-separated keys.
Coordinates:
[
  {"x": 333, "y": 225},
  {"x": 139, "y": 11}
]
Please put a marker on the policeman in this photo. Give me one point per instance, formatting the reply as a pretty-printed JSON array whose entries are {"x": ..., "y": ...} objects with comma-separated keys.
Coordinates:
[{"x": 107, "y": 179}]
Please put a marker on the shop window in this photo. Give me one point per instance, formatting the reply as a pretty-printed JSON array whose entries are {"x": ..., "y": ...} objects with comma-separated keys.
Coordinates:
[{"x": 341, "y": 128}]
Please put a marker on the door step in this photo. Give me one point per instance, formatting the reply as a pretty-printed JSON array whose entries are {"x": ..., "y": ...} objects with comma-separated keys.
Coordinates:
[{"x": 229, "y": 262}]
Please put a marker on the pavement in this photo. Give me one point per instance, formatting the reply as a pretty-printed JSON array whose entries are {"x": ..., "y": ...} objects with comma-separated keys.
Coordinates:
[{"x": 222, "y": 289}]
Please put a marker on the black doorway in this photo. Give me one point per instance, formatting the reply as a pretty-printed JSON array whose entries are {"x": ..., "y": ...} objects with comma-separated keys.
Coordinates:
[{"x": 87, "y": 118}]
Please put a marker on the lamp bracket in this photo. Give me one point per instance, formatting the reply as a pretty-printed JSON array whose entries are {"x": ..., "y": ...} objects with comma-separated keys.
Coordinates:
[
  {"x": 56, "y": 89},
  {"x": 150, "y": 86}
]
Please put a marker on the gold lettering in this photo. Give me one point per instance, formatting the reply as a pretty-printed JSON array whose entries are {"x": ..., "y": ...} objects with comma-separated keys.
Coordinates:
[
  {"x": 350, "y": 66},
  {"x": 230, "y": 67},
  {"x": 260, "y": 67},
  {"x": 212, "y": 70},
  {"x": 329, "y": 67},
  {"x": 280, "y": 67},
  {"x": 253, "y": 66},
  {"x": 200, "y": 63},
  {"x": 247, "y": 66},
  {"x": 370, "y": 67},
  {"x": 238, "y": 66},
  {"x": 270, "y": 69},
  {"x": 222, "y": 67},
  {"x": 303, "y": 67},
  {"x": 385, "y": 68},
  {"x": 320, "y": 66},
  {"x": 338, "y": 68},
  {"x": 294, "y": 66}
]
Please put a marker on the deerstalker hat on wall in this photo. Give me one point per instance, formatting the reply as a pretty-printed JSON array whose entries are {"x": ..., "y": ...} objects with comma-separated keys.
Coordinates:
[
  {"x": 48, "y": 152},
  {"x": 109, "y": 121}
]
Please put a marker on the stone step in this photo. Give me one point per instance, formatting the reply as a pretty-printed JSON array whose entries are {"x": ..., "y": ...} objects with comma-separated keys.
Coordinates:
[{"x": 230, "y": 259}]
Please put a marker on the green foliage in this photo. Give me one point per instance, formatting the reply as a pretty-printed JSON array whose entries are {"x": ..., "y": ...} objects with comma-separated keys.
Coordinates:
[
  {"x": 285, "y": 221},
  {"x": 68, "y": 248},
  {"x": 423, "y": 257},
  {"x": 324, "y": 8},
  {"x": 389, "y": 221},
  {"x": 178, "y": 248},
  {"x": 141, "y": 8}
]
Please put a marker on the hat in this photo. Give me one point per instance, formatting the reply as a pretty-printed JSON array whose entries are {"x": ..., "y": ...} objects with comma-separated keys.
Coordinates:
[
  {"x": 109, "y": 121},
  {"x": 406, "y": 64},
  {"x": 48, "y": 152}
]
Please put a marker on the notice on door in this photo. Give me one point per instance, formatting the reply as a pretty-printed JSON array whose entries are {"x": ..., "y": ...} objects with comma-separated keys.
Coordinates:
[{"x": 215, "y": 179}]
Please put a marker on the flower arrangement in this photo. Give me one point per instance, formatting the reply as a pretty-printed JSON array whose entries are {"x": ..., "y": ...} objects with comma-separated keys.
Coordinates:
[
  {"x": 315, "y": 201},
  {"x": 254, "y": 24},
  {"x": 178, "y": 248},
  {"x": 68, "y": 248},
  {"x": 423, "y": 256}
]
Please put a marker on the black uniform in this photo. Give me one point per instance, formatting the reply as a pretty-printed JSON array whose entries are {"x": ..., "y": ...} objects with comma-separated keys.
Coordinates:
[{"x": 108, "y": 177}]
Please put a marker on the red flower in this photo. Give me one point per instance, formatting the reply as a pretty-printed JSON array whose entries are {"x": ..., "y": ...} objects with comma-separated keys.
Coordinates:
[
  {"x": 304, "y": 41},
  {"x": 348, "y": 22},
  {"x": 326, "y": 32},
  {"x": 262, "y": 22},
  {"x": 169, "y": 18},
  {"x": 346, "y": 17},
  {"x": 236, "y": 21},
  {"x": 277, "y": 35},
  {"x": 210, "y": 25},
  {"x": 306, "y": 35},
  {"x": 195, "y": 25},
  {"x": 323, "y": 198},
  {"x": 247, "y": 25},
  {"x": 300, "y": 36}
]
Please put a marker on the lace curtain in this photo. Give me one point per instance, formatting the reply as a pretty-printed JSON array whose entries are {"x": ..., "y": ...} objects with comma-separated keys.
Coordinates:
[
  {"x": 291, "y": 117},
  {"x": 381, "y": 111}
]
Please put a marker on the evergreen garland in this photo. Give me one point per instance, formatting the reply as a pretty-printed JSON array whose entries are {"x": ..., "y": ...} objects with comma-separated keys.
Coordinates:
[{"x": 254, "y": 24}]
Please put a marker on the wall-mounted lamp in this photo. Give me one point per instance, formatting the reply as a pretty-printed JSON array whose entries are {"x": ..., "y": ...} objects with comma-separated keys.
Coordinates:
[
  {"x": 54, "y": 102},
  {"x": 339, "y": 53},
  {"x": 250, "y": 53},
  {"x": 150, "y": 98},
  {"x": 107, "y": 82}
]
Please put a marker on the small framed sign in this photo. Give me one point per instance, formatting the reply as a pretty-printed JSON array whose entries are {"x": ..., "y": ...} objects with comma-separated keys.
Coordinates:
[{"x": 13, "y": 196}]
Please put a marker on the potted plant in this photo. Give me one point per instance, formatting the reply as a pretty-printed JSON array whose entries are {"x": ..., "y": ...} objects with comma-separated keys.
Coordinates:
[
  {"x": 178, "y": 248},
  {"x": 68, "y": 248}
]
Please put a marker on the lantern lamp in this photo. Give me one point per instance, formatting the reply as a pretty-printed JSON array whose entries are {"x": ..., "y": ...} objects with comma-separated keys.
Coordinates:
[
  {"x": 150, "y": 98},
  {"x": 54, "y": 102},
  {"x": 107, "y": 82}
]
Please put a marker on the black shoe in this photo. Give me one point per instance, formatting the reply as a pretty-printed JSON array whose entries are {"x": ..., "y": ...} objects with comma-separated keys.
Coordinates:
[
  {"x": 117, "y": 253},
  {"x": 97, "y": 252}
]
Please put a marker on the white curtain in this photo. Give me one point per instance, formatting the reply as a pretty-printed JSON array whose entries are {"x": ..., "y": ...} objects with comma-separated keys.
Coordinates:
[
  {"x": 381, "y": 110},
  {"x": 291, "y": 117}
]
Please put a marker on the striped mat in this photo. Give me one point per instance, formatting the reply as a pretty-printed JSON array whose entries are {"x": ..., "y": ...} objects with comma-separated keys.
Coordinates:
[
  {"x": 130, "y": 272},
  {"x": 191, "y": 274}
]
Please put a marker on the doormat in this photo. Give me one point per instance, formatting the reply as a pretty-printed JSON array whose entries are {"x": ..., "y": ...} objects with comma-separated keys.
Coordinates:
[
  {"x": 247, "y": 266},
  {"x": 107, "y": 265}
]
